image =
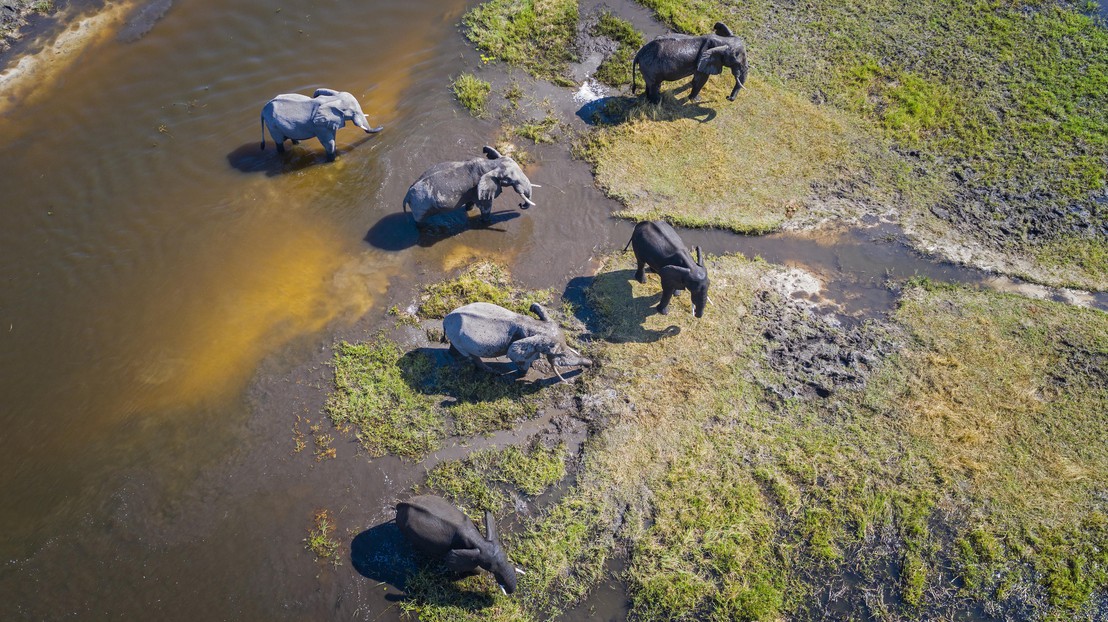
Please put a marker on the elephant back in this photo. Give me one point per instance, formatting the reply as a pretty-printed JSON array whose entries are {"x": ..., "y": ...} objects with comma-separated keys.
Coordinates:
[{"x": 434, "y": 525}]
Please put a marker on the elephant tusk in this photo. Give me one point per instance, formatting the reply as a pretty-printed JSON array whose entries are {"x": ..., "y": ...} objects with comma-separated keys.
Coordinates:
[
  {"x": 536, "y": 186},
  {"x": 528, "y": 201},
  {"x": 520, "y": 570},
  {"x": 710, "y": 301},
  {"x": 503, "y": 590}
]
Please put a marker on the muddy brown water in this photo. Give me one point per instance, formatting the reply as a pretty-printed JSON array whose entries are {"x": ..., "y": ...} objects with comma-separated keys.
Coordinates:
[{"x": 170, "y": 292}]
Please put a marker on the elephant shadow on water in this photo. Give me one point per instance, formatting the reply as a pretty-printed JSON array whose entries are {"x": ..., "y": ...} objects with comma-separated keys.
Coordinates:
[
  {"x": 617, "y": 109},
  {"x": 397, "y": 231},
  {"x": 627, "y": 314},
  {"x": 249, "y": 158},
  {"x": 382, "y": 554}
]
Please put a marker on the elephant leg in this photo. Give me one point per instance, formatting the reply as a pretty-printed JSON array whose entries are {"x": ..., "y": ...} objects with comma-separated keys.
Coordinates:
[
  {"x": 486, "y": 211},
  {"x": 280, "y": 140},
  {"x": 481, "y": 364},
  {"x": 663, "y": 306},
  {"x": 640, "y": 273},
  {"x": 329, "y": 146},
  {"x": 654, "y": 93},
  {"x": 294, "y": 141},
  {"x": 698, "y": 82}
]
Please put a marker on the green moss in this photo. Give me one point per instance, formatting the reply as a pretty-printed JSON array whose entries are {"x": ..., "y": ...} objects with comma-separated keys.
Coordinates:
[
  {"x": 473, "y": 93},
  {"x": 478, "y": 482},
  {"x": 615, "y": 70},
  {"x": 537, "y": 35}
]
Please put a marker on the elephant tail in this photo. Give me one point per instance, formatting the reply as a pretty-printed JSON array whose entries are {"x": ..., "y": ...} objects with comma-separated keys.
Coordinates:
[
  {"x": 629, "y": 243},
  {"x": 262, "y": 118},
  {"x": 634, "y": 64}
]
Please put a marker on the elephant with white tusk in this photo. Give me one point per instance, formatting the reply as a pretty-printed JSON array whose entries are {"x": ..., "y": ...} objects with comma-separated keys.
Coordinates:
[
  {"x": 676, "y": 56},
  {"x": 450, "y": 185},
  {"x": 439, "y": 530},
  {"x": 482, "y": 330},
  {"x": 296, "y": 117},
  {"x": 656, "y": 244}
]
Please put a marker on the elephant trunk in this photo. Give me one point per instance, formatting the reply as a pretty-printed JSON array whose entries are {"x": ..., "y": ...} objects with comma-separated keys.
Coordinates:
[
  {"x": 523, "y": 187},
  {"x": 739, "y": 72}
]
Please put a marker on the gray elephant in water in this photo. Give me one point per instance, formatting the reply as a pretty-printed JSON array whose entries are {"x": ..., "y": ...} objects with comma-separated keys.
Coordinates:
[
  {"x": 675, "y": 56},
  {"x": 483, "y": 330},
  {"x": 451, "y": 185},
  {"x": 296, "y": 117},
  {"x": 439, "y": 530}
]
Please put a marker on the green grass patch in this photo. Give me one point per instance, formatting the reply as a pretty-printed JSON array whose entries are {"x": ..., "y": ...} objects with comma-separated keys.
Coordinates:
[
  {"x": 405, "y": 402},
  {"x": 749, "y": 169},
  {"x": 965, "y": 473},
  {"x": 615, "y": 70},
  {"x": 480, "y": 481},
  {"x": 1006, "y": 98},
  {"x": 473, "y": 93},
  {"x": 483, "y": 281},
  {"x": 541, "y": 131},
  {"x": 537, "y": 35}
]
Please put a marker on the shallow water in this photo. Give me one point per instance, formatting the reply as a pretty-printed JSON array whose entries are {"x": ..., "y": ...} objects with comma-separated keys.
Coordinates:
[{"x": 169, "y": 291}]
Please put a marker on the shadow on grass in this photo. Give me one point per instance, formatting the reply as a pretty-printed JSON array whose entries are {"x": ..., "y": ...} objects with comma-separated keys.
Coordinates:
[
  {"x": 397, "y": 231},
  {"x": 606, "y": 304},
  {"x": 434, "y": 371},
  {"x": 619, "y": 109}
]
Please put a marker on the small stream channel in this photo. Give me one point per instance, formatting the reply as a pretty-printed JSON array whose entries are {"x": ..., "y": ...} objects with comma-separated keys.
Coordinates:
[{"x": 170, "y": 294}]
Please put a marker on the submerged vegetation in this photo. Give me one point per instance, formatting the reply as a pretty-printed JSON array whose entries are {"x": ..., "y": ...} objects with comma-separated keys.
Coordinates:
[{"x": 473, "y": 93}]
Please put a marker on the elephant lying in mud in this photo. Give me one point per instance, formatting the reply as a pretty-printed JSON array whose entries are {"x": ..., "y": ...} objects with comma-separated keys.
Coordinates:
[
  {"x": 656, "y": 244},
  {"x": 296, "y": 117},
  {"x": 482, "y": 330},
  {"x": 675, "y": 56},
  {"x": 441, "y": 531},
  {"x": 450, "y": 185}
]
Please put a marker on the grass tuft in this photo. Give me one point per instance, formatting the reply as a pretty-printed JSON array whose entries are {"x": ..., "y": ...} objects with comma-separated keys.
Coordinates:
[
  {"x": 473, "y": 93},
  {"x": 537, "y": 35},
  {"x": 483, "y": 281},
  {"x": 615, "y": 70}
]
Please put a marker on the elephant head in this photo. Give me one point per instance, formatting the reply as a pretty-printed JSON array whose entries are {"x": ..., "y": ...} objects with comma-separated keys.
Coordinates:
[
  {"x": 551, "y": 343},
  {"x": 506, "y": 173},
  {"x": 694, "y": 279},
  {"x": 335, "y": 108},
  {"x": 725, "y": 50},
  {"x": 492, "y": 557}
]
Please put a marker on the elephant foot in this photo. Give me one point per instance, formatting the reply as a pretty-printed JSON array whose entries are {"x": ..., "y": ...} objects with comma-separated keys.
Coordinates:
[
  {"x": 640, "y": 277},
  {"x": 663, "y": 310},
  {"x": 730, "y": 98}
]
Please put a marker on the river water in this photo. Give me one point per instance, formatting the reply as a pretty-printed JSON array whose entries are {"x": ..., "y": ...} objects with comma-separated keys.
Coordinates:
[{"x": 169, "y": 292}]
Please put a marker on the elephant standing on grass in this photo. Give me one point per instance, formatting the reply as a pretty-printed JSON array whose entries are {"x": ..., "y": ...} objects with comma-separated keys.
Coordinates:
[
  {"x": 674, "y": 57},
  {"x": 482, "y": 330},
  {"x": 439, "y": 530},
  {"x": 451, "y": 185},
  {"x": 296, "y": 117},
  {"x": 656, "y": 244}
]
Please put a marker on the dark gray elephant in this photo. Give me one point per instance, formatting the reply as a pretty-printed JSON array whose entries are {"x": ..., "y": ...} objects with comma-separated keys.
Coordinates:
[
  {"x": 656, "y": 244},
  {"x": 296, "y": 117},
  {"x": 439, "y": 530},
  {"x": 451, "y": 185},
  {"x": 675, "y": 56},
  {"x": 483, "y": 330}
]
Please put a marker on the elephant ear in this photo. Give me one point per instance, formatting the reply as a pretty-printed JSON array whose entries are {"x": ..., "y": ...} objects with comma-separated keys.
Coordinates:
[
  {"x": 488, "y": 187},
  {"x": 722, "y": 30},
  {"x": 329, "y": 116},
  {"x": 711, "y": 61},
  {"x": 675, "y": 276},
  {"x": 325, "y": 92},
  {"x": 491, "y": 153},
  {"x": 462, "y": 560}
]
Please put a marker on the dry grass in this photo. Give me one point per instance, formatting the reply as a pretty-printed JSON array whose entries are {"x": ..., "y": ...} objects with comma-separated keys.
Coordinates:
[{"x": 747, "y": 165}]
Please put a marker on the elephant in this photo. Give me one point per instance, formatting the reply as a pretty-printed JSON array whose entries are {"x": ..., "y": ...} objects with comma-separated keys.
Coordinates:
[
  {"x": 656, "y": 244},
  {"x": 295, "y": 117},
  {"x": 450, "y": 185},
  {"x": 439, "y": 530},
  {"x": 483, "y": 330},
  {"x": 676, "y": 56}
]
